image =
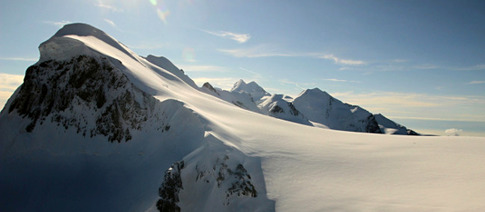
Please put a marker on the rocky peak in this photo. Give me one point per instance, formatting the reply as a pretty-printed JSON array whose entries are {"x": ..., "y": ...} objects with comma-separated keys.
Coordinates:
[{"x": 85, "y": 93}]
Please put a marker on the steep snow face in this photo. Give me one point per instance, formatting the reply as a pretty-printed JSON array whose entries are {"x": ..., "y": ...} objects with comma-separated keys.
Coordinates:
[
  {"x": 276, "y": 106},
  {"x": 166, "y": 64},
  {"x": 318, "y": 106},
  {"x": 389, "y": 127},
  {"x": 252, "y": 88}
]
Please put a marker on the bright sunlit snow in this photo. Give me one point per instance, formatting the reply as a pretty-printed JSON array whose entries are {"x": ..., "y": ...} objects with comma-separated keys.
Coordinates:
[{"x": 266, "y": 163}]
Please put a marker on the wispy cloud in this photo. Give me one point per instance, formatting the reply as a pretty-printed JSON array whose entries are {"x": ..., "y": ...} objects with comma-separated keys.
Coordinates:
[
  {"x": 19, "y": 59},
  {"x": 256, "y": 51},
  {"x": 340, "y": 80},
  {"x": 57, "y": 23},
  {"x": 478, "y": 67},
  {"x": 292, "y": 88},
  {"x": 202, "y": 68},
  {"x": 8, "y": 84},
  {"x": 476, "y": 82},
  {"x": 299, "y": 85},
  {"x": 399, "y": 61},
  {"x": 422, "y": 106},
  {"x": 271, "y": 51},
  {"x": 148, "y": 46},
  {"x": 109, "y": 7},
  {"x": 341, "y": 61},
  {"x": 254, "y": 75},
  {"x": 426, "y": 67},
  {"x": 241, "y": 38},
  {"x": 110, "y": 22}
]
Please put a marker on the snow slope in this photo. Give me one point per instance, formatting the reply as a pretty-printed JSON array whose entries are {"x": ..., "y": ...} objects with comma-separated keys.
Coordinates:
[{"x": 223, "y": 158}]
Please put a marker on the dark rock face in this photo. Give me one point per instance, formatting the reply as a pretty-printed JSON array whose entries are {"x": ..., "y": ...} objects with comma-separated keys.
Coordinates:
[
  {"x": 242, "y": 185},
  {"x": 209, "y": 86},
  {"x": 170, "y": 188},
  {"x": 412, "y": 132},
  {"x": 372, "y": 125},
  {"x": 86, "y": 94},
  {"x": 234, "y": 179},
  {"x": 293, "y": 109},
  {"x": 276, "y": 109}
]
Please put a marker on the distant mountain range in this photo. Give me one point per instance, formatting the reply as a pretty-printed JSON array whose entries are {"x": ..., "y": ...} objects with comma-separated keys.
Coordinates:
[{"x": 312, "y": 107}]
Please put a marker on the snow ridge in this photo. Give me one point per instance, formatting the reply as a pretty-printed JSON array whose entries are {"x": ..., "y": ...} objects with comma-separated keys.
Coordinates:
[{"x": 80, "y": 29}]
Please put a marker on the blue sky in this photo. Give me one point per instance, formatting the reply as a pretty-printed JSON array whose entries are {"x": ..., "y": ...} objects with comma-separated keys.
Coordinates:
[{"x": 419, "y": 62}]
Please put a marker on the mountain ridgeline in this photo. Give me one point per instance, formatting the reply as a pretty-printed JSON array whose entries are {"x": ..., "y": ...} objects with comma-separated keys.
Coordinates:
[{"x": 312, "y": 107}]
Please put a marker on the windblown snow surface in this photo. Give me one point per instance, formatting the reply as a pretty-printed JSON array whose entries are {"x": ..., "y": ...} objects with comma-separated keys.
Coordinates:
[{"x": 218, "y": 156}]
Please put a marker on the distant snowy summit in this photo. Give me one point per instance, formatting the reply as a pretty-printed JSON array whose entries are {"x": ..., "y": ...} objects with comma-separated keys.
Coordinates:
[{"x": 312, "y": 107}]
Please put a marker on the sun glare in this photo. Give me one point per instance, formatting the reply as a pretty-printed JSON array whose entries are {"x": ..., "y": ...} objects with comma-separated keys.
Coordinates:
[
  {"x": 162, "y": 10},
  {"x": 188, "y": 54}
]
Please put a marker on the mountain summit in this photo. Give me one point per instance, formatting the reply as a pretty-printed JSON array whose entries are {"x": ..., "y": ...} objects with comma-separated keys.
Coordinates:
[
  {"x": 251, "y": 88},
  {"x": 322, "y": 108},
  {"x": 95, "y": 127}
]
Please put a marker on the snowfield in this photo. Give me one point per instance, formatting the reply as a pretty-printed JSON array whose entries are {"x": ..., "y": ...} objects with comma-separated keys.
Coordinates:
[{"x": 223, "y": 158}]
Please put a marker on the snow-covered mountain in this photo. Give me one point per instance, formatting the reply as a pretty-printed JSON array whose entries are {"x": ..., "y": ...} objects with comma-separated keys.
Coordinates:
[
  {"x": 251, "y": 96},
  {"x": 322, "y": 108},
  {"x": 312, "y": 107},
  {"x": 252, "y": 88},
  {"x": 95, "y": 127}
]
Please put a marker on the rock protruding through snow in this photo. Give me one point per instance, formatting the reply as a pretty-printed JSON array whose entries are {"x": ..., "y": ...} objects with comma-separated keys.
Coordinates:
[
  {"x": 224, "y": 177},
  {"x": 170, "y": 188}
]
